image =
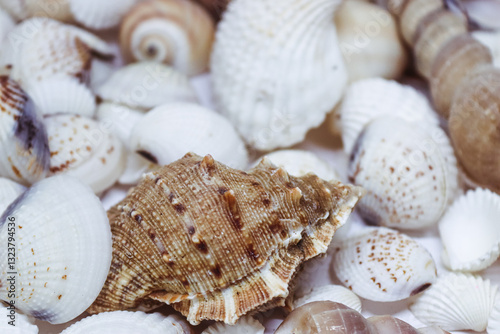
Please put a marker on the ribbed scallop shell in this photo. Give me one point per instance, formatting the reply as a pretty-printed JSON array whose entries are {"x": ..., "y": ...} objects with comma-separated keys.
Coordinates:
[
  {"x": 492, "y": 41},
  {"x": 334, "y": 293},
  {"x": 494, "y": 319},
  {"x": 277, "y": 68},
  {"x": 22, "y": 323},
  {"x": 96, "y": 14},
  {"x": 245, "y": 325},
  {"x": 62, "y": 245},
  {"x": 381, "y": 264},
  {"x": 457, "y": 302},
  {"x": 175, "y": 32},
  {"x": 217, "y": 242},
  {"x": 9, "y": 191},
  {"x": 409, "y": 172}
]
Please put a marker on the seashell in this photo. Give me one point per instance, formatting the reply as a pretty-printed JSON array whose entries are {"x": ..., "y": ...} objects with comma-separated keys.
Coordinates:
[
  {"x": 245, "y": 325},
  {"x": 334, "y": 293},
  {"x": 16, "y": 9},
  {"x": 264, "y": 222},
  {"x": 125, "y": 322},
  {"x": 466, "y": 249},
  {"x": 100, "y": 72},
  {"x": 457, "y": 59},
  {"x": 300, "y": 163},
  {"x": 411, "y": 13},
  {"x": 9, "y": 191},
  {"x": 167, "y": 132},
  {"x": 146, "y": 85},
  {"x": 484, "y": 13},
  {"x": 388, "y": 324},
  {"x": 21, "y": 324},
  {"x": 432, "y": 330},
  {"x": 80, "y": 146},
  {"x": 409, "y": 172},
  {"x": 492, "y": 41},
  {"x": 55, "y": 9},
  {"x": 6, "y": 24},
  {"x": 24, "y": 150},
  {"x": 456, "y": 302},
  {"x": 381, "y": 264},
  {"x": 119, "y": 119},
  {"x": 135, "y": 167},
  {"x": 473, "y": 125},
  {"x": 95, "y": 14},
  {"x": 494, "y": 318},
  {"x": 277, "y": 69},
  {"x": 175, "y": 32},
  {"x": 369, "y": 41},
  {"x": 369, "y": 99},
  {"x": 62, "y": 246}
]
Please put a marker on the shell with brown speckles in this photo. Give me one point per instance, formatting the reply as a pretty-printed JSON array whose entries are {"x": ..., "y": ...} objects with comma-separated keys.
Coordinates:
[{"x": 215, "y": 242}]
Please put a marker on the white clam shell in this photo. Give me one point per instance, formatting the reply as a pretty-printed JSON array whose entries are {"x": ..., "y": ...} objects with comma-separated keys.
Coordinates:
[
  {"x": 492, "y": 41},
  {"x": 9, "y": 191},
  {"x": 277, "y": 69},
  {"x": 125, "y": 322},
  {"x": 456, "y": 302},
  {"x": 62, "y": 243},
  {"x": 96, "y": 14},
  {"x": 14, "y": 322},
  {"x": 334, "y": 293},
  {"x": 381, "y": 264},
  {"x": 168, "y": 132},
  {"x": 408, "y": 173},
  {"x": 369, "y": 99},
  {"x": 146, "y": 85},
  {"x": 470, "y": 232},
  {"x": 244, "y": 325},
  {"x": 80, "y": 146}
]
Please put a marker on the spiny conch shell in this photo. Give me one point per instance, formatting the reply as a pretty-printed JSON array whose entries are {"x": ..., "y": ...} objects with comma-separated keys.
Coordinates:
[
  {"x": 334, "y": 293},
  {"x": 217, "y": 242},
  {"x": 14, "y": 322},
  {"x": 410, "y": 174},
  {"x": 300, "y": 162},
  {"x": 369, "y": 41},
  {"x": 175, "y": 32},
  {"x": 62, "y": 246},
  {"x": 484, "y": 13},
  {"x": 24, "y": 150},
  {"x": 80, "y": 146},
  {"x": 166, "y": 133},
  {"x": 466, "y": 247},
  {"x": 369, "y": 99},
  {"x": 95, "y": 14},
  {"x": 245, "y": 325},
  {"x": 277, "y": 68},
  {"x": 457, "y": 302},
  {"x": 381, "y": 264},
  {"x": 492, "y": 41},
  {"x": 125, "y": 322},
  {"x": 9, "y": 191},
  {"x": 146, "y": 85}
]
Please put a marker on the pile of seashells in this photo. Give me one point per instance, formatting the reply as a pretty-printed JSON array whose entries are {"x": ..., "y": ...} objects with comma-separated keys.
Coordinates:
[{"x": 160, "y": 170}]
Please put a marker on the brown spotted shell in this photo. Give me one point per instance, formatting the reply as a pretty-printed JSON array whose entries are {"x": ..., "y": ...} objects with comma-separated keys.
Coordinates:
[{"x": 216, "y": 242}]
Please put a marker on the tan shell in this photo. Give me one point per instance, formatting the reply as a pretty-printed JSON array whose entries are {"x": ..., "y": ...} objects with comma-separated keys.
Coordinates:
[
  {"x": 217, "y": 242},
  {"x": 411, "y": 13}
]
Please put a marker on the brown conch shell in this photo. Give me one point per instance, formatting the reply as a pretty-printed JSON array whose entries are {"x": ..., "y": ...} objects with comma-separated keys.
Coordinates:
[{"x": 216, "y": 242}]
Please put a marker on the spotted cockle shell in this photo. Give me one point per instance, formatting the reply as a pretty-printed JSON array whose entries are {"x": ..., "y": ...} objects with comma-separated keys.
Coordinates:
[
  {"x": 476, "y": 248},
  {"x": 492, "y": 41},
  {"x": 125, "y": 322},
  {"x": 277, "y": 68},
  {"x": 381, "y": 264},
  {"x": 457, "y": 302},
  {"x": 370, "y": 99},
  {"x": 146, "y": 85},
  {"x": 334, "y": 293},
  {"x": 166, "y": 133},
  {"x": 410, "y": 174},
  {"x": 244, "y": 325},
  {"x": 24, "y": 150},
  {"x": 175, "y": 32},
  {"x": 62, "y": 243},
  {"x": 80, "y": 147},
  {"x": 216, "y": 242},
  {"x": 95, "y": 14},
  {"x": 9, "y": 191},
  {"x": 20, "y": 323}
]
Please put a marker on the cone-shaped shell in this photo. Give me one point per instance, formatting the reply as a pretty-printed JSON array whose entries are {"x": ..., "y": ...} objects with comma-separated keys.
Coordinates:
[{"x": 217, "y": 242}]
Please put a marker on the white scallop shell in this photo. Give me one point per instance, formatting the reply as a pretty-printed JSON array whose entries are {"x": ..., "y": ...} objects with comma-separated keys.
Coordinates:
[
  {"x": 490, "y": 39},
  {"x": 456, "y": 302},
  {"x": 470, "y": 232},
  {"x": 168, "y": 132},
  {"x": 369, "y": 99},
  {"x": 381, "y": 264},
  {"x": 86, "y": 149},
  {"x": 494, "y": 319},
  {"x": 334, "y": 293},
  {"x": 96, "y": 14},
  {"x": 244, "y": 325},
  {"x": 9, "y": 191},
  {"x": 408, "y": 180},
  {"x": 14, "y": 322},
  {"x": 125, "y": 322},
  {"x": 277, "y": 69},
  {"x": 146, "y": 85},
  {"x": 62, "y": 242}
]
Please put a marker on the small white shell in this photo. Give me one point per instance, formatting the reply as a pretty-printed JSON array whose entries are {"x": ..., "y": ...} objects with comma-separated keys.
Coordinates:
[
  {"x": 334, "y": 293},
  {"x": 9, "y": 191},
  {"x": 494, "y": 319},
  {"x": 470, "y": 231},
  {"x": 125, "y": 322},
  {"x": 62, "y": 246},
  {"x": 14, "y": 322},
  {"x": 96, "y": 14},
  {"x": 492, "y": 41},
  {"x": 168, "y": 132},
  {"x": 457, "y": 302},
  {"x": 381, "y": 264},
  {"x": 244, "y": 325},
  {"x": 369, "y": 99}
]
